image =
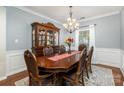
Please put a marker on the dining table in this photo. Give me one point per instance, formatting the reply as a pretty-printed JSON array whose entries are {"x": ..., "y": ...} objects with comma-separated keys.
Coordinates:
[{"x": 58, "y": 64}]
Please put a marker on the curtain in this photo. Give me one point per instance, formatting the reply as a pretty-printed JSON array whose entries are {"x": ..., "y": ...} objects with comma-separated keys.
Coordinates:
[
  {"x": 92, "y": 36},
  {"x": 92, "y": 41}
]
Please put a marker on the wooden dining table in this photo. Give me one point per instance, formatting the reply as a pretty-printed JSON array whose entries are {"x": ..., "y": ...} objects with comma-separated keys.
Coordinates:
[{"x": 58, "y": 64}]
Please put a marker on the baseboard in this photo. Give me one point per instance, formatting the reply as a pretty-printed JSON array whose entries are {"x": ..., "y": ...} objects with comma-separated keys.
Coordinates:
[
  {"x": 2, "y": 78},
  {"x": 122, "y": 71},
  {"x": 108, "y": 56},
  {"x": 122, "y": 62}
]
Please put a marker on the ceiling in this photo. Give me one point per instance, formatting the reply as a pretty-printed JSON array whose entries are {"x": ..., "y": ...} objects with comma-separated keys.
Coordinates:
[{"x": 60, "y": 13}]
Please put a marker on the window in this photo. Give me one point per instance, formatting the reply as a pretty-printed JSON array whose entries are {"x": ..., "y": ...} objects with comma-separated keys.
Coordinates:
[{"x": 84, "y": 37}]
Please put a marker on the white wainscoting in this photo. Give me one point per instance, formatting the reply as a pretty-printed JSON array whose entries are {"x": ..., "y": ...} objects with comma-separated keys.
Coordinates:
[
  {"x": 108, "y": 56},
  {"x": 15, "y": 62}
]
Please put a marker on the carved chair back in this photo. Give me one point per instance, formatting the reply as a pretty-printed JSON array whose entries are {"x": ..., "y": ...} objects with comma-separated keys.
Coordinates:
[
  {"x": 31, "y": 64},
  {"x": 81, "y": 47},
  {"x": 81, "y": 64},
  {"x": 48, "y": 51},
  {"x": 62, "y": 49},
  {"x": 90, "y": 54}
]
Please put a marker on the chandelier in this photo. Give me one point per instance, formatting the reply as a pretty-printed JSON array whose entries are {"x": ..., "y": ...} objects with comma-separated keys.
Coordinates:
[{"x": 71, "y": 25}]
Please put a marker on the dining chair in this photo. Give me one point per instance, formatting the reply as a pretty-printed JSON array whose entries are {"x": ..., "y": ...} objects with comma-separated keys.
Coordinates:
[
  {"x": 81, "y": 47},
  {"x": 35, "y": 77},
  {"x": 48, "y": 51},
  {"x": 62, "y": 49},
  {"x": 89, "y": 58},
  {"x": 78, "y": 77}
]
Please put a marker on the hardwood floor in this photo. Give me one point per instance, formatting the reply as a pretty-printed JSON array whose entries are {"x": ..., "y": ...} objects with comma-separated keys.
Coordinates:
[
  {"x": 11, "y": 79},
  {"x": 118, "y": 77}
]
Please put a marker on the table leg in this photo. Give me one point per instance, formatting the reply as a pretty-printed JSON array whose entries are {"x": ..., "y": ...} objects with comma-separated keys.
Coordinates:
[
  {"x": 55, "y": 79},
  {"x": 58, "y": 80}
]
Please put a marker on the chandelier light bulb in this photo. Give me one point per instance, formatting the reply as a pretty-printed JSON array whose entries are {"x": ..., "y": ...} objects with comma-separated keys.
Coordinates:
[
  {"x": 68, "y": 19},
  {"x": 70, "y": 24},
  {"x": 65, "y": 25},
  {"x": 77, "y": 24},
  {"x": 74, "y": 20}
]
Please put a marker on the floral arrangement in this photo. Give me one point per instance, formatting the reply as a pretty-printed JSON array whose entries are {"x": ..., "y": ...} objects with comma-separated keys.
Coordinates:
[{"x": 69, "y": 40}]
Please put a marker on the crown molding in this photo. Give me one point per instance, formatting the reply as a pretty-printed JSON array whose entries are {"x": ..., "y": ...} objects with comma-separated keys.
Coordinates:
[
  {"x": 36, "y": 13},
  {"x": 101, "y": 16},
  {"x": 58, "y": 22}
]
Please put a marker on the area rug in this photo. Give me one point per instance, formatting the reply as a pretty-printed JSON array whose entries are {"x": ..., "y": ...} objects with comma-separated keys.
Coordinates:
[{"x": 99, "y": 77}]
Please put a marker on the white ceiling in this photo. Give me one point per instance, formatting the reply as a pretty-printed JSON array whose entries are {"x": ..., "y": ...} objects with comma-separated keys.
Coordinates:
[{"x": 60, "y": 13}]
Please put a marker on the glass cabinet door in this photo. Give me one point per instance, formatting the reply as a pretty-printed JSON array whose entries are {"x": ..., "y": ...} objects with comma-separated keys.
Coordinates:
[
  {"x": 56, "y": 38},
  {"x": 41, "y": 38},
  {"x": 50, "y": 38}
]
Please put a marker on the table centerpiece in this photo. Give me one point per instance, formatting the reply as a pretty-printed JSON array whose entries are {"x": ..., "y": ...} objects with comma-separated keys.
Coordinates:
[{"x": 69, "y": 41}]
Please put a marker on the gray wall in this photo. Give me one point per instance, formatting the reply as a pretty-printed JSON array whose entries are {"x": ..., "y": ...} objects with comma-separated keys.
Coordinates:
[
  {"x": 19, "y": 27},
  {"x": 122, "y": 29},
  {"x": 107, "y": 31}
]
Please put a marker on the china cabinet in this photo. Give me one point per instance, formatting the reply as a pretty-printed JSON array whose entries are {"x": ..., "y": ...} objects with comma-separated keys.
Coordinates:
[{"x": 43, "y": 35}]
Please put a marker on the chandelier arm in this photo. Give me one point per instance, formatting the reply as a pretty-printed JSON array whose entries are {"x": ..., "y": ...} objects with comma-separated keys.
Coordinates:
[{"x": 68, "y": 30}]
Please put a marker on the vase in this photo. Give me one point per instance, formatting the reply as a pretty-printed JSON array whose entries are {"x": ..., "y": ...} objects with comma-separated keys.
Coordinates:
[{"x": 69, "y": 49}]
